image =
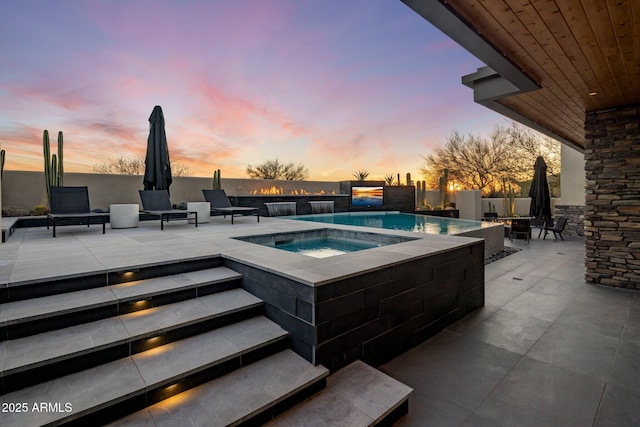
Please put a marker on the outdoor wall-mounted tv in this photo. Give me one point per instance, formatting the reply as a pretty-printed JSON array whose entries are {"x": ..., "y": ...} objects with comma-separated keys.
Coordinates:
[{"x": 367, "y": 196}]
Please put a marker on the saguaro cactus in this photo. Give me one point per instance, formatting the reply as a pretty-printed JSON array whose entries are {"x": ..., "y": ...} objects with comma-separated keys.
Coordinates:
[
  {"x": 444, "y": 197},
  {"x": 408, "y": 178},
  {"x": 509, "y": 199},
  {"x": 53, "y": 165},
  {"x": 2, "y": 155},
  {"x": 217, "y": 181}
]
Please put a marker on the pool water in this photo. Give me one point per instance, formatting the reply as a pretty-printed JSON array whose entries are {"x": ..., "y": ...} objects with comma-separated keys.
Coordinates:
[
  {"x": 397, "y": 221},
  {"x": 324, "y": 242},
  {"x": 324, "y": 247}
]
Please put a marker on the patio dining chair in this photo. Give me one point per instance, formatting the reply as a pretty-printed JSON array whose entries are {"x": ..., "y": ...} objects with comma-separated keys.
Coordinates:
[
  {"x": 220, "y": 203},
  {"x": 157, "y": 203},
  {"x": 71, "y": 205},
  {"x": 520, "y": 227},
  {"x": 540, "y": 223},
  {"x": 556, "y": 229}
]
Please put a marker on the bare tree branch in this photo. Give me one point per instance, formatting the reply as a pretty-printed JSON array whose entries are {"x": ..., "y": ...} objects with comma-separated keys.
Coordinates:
[
  {"x": 509, "y": 152},
  {"x": 273, "y": 169},
  {"x": 136, "y": 166}
]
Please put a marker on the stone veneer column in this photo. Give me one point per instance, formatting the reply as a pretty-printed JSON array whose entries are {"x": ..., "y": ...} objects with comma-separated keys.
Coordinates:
[{"x": 612, "y": 212}]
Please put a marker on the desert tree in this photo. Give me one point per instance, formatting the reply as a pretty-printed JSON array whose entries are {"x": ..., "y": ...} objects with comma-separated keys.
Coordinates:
[
  {"x": 136, "y": 166},
  {"x": 506, "y": 154},
  {"x": 273, "y": 169}
]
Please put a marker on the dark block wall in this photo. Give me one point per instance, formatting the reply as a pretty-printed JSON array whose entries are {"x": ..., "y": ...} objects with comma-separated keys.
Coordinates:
[
  {"x": 400, "y": 198},
  {"x": 395, "y": 199},
  {"x": 345, "y": 186},
  {"x": 341, "y": 202},
  {"x": 287, "y": 302},
  {"x": 612, "y": 211},
  {"x": 379, "y": 315},
  {"x": 376, "y": 315}
]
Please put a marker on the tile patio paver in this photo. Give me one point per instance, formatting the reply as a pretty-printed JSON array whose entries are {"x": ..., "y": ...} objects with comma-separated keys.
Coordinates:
[
  {"x": 582, "y": 369},
  {"x": 479, "y": 371}
]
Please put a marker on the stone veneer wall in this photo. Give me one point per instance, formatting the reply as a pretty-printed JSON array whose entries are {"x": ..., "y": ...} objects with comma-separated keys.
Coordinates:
[
  {"x": 575, "y": 219},
  {"x": 612, "y": 214}
]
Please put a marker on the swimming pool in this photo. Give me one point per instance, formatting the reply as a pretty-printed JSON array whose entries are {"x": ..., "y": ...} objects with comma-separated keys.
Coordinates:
[{"x": 398, "y": 221}]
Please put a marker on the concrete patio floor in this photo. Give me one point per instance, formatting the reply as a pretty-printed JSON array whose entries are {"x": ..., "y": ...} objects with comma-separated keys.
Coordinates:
[{"x": 547, "y": 349}]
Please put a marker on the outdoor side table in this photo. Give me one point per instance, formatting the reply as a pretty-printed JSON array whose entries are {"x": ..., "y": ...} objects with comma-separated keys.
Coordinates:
[
  {"x": 124, "y": 215},
  {"x": 203, "y": 209}
]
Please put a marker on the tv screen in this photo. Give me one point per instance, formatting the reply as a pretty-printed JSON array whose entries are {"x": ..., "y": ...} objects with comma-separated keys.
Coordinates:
[{"x": 367, "y": 196}]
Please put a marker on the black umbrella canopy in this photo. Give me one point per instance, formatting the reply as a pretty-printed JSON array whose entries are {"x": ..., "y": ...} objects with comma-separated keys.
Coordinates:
[
  {"x": 157, "y": 173},
  {"x": 539, "y": 192}
]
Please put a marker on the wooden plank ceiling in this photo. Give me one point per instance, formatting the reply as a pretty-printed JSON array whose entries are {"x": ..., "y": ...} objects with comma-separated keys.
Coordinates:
[{"x": 571, "y": 48}]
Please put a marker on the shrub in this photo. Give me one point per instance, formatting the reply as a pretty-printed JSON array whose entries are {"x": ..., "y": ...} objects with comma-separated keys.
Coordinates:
[{"x": 40, "y": 210}]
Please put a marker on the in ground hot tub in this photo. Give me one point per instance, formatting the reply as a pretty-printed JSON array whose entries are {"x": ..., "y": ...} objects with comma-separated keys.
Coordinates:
[{"x": 324, "y": 242}]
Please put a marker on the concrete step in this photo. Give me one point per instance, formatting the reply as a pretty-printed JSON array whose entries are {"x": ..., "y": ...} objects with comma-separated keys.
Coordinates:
[
  {"x": 51, "y": 354},
  {"x": 249, "y": 396},
  {"x": 111, "y": 390},
  {"x": 32, "y": 316},
  {"x": 357, "y": 395},
  {"x": 57, "y": 282}
]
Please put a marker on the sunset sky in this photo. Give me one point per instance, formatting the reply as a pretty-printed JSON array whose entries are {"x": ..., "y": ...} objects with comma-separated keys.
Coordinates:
[{"x": 338, "y": 85}]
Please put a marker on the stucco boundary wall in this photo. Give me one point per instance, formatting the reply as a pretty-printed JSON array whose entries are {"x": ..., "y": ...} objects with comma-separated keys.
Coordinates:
[
  {"x": 465, "y": 201},
  {"x": 26, "y": 190}
]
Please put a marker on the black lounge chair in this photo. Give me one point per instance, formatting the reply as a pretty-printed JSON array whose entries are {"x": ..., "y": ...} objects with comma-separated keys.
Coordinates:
[
  {"x": 556, "y": 229},
  {"x": 490, "y": 216},
  {"x": 72, "y": 204},
  {"x": 220, "y": 203},
  {"x": 520, "y": 226},
  {"x": 157, "y": 202}
]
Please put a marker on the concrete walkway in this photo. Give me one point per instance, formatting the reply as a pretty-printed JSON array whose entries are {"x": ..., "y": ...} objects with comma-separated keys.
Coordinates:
[{"x": 546, "y": 350}]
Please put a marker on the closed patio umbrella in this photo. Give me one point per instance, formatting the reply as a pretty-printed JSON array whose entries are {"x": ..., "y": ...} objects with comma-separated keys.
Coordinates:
[
  {"x": 157, "y": 173},
  {"x": 539, "y": 192}
]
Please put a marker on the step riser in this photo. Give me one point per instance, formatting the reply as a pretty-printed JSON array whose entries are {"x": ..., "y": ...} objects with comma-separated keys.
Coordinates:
[
  {"x": 53, "y": 370},
  {"x": 108, "y": 414},
  {"x": 24, "y": 329},
  {"x": 394, "y": 416},
  {"x": 37, "y": 290},
  {"x": 150, "y": 397},
  {"x": 71, "y": 284},
  {"x": 56, "y": 369},
  {"x": 38, "y": 326}
]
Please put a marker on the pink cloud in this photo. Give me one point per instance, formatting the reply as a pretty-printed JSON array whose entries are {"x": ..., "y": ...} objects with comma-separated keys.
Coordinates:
[
  {"x": 249, "y": 121},
  {"x": 239, "y": 81}
]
